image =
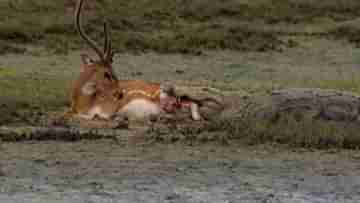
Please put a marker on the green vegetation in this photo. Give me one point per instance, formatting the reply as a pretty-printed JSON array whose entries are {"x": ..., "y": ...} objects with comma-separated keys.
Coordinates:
[
  {"x": 169, "y": 26},
  {"x": 29, "y": 92},
  {"x": 26, "y": 98},
  {"x": 288, "y": 130}
]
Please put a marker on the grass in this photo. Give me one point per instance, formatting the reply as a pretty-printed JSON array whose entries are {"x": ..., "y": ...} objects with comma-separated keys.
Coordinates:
[
  {"x": 289, "y": 130},
  {"x": 28, "y": 96},
  {"x": 167, "y": 26},
  {"x": 6, "y": 47},
  {"x": 188, "y": 27},
  {"x": 305, "y": 132},
  {"x": 29, "y": 92}
]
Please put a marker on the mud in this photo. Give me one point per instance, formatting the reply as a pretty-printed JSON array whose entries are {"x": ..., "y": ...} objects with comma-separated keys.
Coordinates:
[{"x": 105, "y": 171}]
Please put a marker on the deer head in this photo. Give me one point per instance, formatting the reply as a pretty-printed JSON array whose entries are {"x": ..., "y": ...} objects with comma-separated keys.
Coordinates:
[{"x": 103, "y": 64}]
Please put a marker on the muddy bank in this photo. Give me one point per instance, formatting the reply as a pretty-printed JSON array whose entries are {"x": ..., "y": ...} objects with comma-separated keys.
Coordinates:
[
  {"x": 36, "y": 85},
  {"x": 105, "y": 171}
]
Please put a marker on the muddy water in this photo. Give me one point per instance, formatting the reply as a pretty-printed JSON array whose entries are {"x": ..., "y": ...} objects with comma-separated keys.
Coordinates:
[{"x": 104, "y": 171}]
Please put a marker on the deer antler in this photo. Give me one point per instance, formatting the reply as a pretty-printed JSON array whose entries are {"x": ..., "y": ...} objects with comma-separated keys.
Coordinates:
[
  {"x": 107, "y": 37},
  {"x": 108, "y": 54},
  {"x": 104, "y": 55}
]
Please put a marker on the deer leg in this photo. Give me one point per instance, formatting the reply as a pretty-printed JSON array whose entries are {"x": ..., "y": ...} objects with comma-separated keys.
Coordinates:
[
  {"x": 85, "y": 116},
  {"x": 195, "y": 114},
  {"x": 193, "y": 107}
]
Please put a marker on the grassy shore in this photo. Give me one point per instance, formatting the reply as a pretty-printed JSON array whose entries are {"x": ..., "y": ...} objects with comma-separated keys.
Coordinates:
[{"x": 245, "y": 48}]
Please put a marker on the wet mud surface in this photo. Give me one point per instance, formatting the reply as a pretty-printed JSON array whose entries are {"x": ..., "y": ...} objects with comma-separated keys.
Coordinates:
[{"x": 105, "y": 171}]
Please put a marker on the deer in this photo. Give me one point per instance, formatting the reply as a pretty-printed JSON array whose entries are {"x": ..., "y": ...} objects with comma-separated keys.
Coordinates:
[
  {"x": 98, "y": 93},
  {"x": 90, "y": 95}
]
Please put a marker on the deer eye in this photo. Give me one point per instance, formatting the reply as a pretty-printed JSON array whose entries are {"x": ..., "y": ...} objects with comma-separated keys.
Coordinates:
[
  {"x": 107, "y": 76},
  {"x": 118, "y": 95}
]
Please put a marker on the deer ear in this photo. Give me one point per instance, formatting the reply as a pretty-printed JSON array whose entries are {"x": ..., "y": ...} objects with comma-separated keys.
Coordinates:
[{"x": 86, "y": 59}]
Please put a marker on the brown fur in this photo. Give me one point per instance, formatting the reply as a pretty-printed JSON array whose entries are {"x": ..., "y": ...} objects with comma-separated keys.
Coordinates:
[{"x": 97, "y": 74}]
